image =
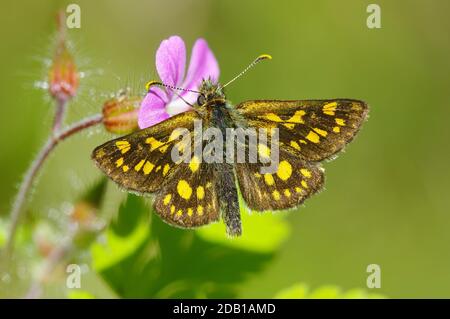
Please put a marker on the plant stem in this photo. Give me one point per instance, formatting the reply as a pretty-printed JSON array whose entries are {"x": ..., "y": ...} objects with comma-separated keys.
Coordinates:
[
  {"x": 61, "y": 106},
  {"x": 56, "y": 256},
  {"x": 27, "y": 182}
]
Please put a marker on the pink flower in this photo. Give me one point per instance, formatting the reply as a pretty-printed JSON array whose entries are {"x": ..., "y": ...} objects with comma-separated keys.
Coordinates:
[{"x": 159, "y": 104}]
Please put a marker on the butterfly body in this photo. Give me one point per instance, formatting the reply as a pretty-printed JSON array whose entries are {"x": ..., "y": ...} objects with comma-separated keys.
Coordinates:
[
  {"x": 197, "y": 191},
  {"x": 222, "y": 118}
]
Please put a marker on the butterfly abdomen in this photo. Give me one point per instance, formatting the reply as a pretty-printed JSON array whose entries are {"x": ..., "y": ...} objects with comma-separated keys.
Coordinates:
[{"x": 225, "y": 178}]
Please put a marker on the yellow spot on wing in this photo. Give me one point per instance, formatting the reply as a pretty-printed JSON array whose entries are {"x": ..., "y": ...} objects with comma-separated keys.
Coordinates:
[
  {"x": 125, "y": 168},
  {"x": 276, "y": 195},
  {"x": 356, "y": 106},
  {"x": 158, "y": 168},
  {"x": 163, "y": 149},
  {"x": 172, "y": 209},
  {"x": 258, "y": 175},
  {"x": 298, "y": 189},
  {"x": 119, "y": 162},
  {"x": 336, "y": 129},
  {"x": 297, "y": 118},
  {"x": 304, "y": 184},
  {"x": 305, "y": 172},
  {"x": 329, "y": 108},
  {"x": 295, "y": 145},
  {"x": 284, "y": 170},
  {"x": 200, "y": 210},
  {"x": 287, "y": 193},
  {"x": 313, "y": 137},
  {"x": 184, "y": 190},
  {"x": 139, "y": 165},
  {"x": 166, "y": 169},
  {"x": 268, "y": 178},
  {"x": 194, "y": 164},
  {"x": 179, "y": 212},
  {"x": 200, "y": 192},
  {"x": 289, "y": 125},
  {"x": 190, "y": 212},
  {"x": 273, "y": 117},
  {"x": 148, "y": 167},
  {"x": 263, "y": 150},
  {"x": 100, "y": 153},
  {"x": 167, "y": 199},
  {"x": 321, "y": 132},
  {"x": 340, "y": 122},
  {"x": 154, "y": 143},
  {"x": 123, "y": 146}
]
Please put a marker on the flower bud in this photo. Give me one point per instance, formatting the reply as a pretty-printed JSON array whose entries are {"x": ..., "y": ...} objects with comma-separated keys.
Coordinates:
[
  {"x": 120, "y": 114},
  {"x": 63, "y": 76}
]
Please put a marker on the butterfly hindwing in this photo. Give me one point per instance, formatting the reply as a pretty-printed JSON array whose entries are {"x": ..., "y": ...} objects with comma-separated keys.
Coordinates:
[
  {"x": 189, "y": 198},
  {"x": 313, "y": 129},
  {"x": 293, "y": 181}
]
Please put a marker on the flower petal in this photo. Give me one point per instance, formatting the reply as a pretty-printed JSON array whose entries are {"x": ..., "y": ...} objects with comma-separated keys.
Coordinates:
[
  {"x": 177, "y": 106},
  {"x": 171, "y": 60},
  {"x": 153, "y": 108},
  {"x": 203, "y": 65}
]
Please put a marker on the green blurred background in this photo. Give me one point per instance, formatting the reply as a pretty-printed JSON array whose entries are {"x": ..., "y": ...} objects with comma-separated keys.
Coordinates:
[{"x": 386, "y": 198}]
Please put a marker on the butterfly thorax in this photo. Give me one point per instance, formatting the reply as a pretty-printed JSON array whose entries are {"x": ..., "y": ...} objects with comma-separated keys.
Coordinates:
[{"x": 214, "y": 108}]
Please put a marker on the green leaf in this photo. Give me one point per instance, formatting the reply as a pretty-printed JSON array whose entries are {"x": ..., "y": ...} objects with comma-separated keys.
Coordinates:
[
  {"x": 80, "y": 294},
  {"x": 262, "y": 232},
  {"x": 163, "y": 261},
  {"x": 302, "y": 291},
  {"x": 123, "y": 237},
  {"x": 94, "y": 194}
]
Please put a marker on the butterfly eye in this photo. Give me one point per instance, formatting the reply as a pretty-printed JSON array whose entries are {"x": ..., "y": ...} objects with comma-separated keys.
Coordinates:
[{"x": 201, "y": 99}]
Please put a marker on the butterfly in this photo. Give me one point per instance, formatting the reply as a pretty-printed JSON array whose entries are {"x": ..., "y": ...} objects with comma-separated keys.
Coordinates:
[{"x": 190, "y": 192}]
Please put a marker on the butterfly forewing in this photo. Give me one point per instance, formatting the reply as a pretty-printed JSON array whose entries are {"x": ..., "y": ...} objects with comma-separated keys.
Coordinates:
[
  {"x": 314, "y": 129},
  {"x": 142, "y": 161}
]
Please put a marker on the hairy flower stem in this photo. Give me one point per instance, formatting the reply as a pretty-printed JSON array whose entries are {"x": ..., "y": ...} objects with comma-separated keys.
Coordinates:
[
  {"x": 55, "y": 138},
  {"x": 61, "y": 106},
  {"x": 54, "y": 259}
]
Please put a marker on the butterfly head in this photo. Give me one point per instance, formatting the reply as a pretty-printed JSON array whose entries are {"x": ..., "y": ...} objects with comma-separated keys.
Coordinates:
[{"x": 210, "y": 92}]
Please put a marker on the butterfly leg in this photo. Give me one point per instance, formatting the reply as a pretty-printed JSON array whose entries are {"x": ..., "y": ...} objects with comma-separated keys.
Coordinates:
[{"x": 228, "y": 196}]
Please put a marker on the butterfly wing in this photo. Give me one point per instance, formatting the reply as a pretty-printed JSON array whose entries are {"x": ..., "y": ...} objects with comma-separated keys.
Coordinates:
[
  {"x": 184, "y": 192},
  {"x": 309, "y": 131},
  {"x": 189, "y": 198},
  {"x": 293, "y": 181},
  {"x": 141, "y": 161},
  {"x": 313, "y": 129}
]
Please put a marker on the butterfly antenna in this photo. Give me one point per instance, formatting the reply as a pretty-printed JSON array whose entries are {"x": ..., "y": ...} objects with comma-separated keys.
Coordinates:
[
  {"x": 251, "y": 65},
  {"x": 149, "y": 84}
]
